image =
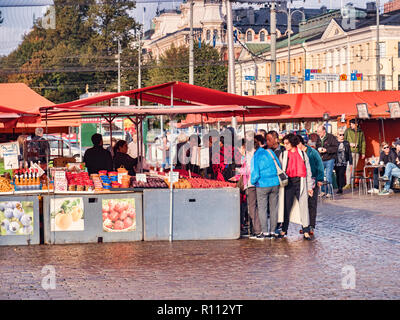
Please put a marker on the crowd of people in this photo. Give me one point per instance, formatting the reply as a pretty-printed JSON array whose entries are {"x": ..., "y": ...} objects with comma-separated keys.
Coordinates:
[
  {"x": 309, "y": 162},
  {"x": 280, "y": 179}
]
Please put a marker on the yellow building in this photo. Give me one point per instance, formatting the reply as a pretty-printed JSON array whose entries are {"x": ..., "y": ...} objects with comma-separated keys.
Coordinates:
[{"x": 341, "y": 48}]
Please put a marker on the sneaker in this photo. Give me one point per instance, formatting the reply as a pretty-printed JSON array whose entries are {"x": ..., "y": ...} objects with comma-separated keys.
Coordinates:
[
  {"x": 339, "y": 192},
  {"x": 374, "y": 190},
  {"x": 253, "y": 236},
  {"x": 322, "y": 194},
  {"x": 391, "y": 191},
  {"x": 261, "y": 236},
  {"x": 384, "y": 192},
  {"x": 329, "y": 195},
  {"x": 347, "y": 186},
  {"x": 384, "y": 178}
]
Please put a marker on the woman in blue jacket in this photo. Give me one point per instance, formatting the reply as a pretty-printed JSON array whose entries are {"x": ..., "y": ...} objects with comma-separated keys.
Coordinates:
[{"x": 264, "y": 177}]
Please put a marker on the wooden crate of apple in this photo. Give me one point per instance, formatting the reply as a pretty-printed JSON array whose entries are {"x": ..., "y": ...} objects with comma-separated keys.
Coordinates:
[
  {"x": 119, "y": 216},
  {"x": 200, "y": 183},
  {"x": 151, "y": 183}
]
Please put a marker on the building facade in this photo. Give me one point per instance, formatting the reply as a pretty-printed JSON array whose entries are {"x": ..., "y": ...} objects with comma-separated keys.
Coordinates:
[
  {"x": 171, "y": 27},
  {"x": 338, "y": 50}
]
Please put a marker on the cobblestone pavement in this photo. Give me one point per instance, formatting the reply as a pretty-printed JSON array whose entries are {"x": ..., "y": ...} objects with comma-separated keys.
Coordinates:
[{"x": 351, "y": 231}]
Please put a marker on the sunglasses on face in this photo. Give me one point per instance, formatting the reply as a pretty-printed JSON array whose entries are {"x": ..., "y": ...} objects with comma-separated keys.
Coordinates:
[
  {"x": 341, "y": 135},
  {"x": 387, "y": 147}
]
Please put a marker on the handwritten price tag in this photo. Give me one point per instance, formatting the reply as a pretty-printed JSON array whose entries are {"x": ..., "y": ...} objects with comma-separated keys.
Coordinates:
[{"x": 141, "y": 177}]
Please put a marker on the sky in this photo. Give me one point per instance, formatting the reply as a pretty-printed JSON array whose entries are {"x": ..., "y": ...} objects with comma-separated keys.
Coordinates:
[{"x": 19, "y": 20}]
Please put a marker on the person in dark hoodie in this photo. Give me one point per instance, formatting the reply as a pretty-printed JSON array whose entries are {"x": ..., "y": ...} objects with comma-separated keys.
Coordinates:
[
  {"x": 121, "y": 158},
  {"x": 97, "y": 158}
]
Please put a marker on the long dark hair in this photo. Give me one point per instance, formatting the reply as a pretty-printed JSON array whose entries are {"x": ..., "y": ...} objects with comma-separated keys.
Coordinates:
[{"x": 118, "y": 145}]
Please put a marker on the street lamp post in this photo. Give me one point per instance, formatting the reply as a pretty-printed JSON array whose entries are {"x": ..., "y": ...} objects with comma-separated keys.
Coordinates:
[
  {"x": 378, "y": 49},
  {"x": 289, "y": 14}
]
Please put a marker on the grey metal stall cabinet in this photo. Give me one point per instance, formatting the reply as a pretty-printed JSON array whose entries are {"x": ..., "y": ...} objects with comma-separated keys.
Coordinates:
[
  {"x": 198, "y": 214},
  {"x": 19, "y": 220},
  {"x": 88, "y": 227}
]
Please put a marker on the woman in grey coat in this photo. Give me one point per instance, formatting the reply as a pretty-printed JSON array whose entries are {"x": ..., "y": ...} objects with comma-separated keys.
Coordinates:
[{"x": 293, "y": 199}]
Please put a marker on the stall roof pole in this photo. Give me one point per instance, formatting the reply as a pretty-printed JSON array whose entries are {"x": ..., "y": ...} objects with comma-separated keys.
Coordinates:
[{"x": 171, "y": 199}]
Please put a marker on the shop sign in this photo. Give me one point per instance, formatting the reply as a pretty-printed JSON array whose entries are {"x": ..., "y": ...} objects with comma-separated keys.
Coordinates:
[
  {"x": 119, "y": 215},
  {"x": 67, "y": 214},
  {"x": 16, "y": 218}
]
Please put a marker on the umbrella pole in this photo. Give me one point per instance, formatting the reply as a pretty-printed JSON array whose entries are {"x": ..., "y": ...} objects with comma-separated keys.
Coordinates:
[{"x": 383, "y": 129}]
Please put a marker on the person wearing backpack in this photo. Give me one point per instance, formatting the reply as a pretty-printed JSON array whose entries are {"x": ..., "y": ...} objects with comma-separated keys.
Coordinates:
[
  {"x": 293, "y": 198},
  {"x": 264, "y": 176}
]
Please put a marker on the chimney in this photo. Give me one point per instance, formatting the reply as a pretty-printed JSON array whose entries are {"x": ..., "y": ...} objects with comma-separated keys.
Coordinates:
[{"x": 250, "y": 15}]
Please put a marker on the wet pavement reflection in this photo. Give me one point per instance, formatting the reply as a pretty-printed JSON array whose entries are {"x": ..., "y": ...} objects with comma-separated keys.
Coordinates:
[{"x": 360, "y": 233}]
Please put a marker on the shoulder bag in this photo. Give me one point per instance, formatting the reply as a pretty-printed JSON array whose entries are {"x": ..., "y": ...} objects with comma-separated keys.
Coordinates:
[{"x": 282, "y": 176}]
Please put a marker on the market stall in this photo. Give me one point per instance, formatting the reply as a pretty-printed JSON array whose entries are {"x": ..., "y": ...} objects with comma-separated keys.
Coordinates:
[{"x": 113, "y": 206}]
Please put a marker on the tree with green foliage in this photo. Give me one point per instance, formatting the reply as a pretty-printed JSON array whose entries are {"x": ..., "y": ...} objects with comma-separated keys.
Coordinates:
[
  {"x": 209, "y": 69},
  {"x": 58, "y": 63}
]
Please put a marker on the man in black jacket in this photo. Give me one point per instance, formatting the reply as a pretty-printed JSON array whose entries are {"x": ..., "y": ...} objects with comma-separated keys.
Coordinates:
[
  {"x": 97, "y": 158},
  {"x": 327, "y": 148},
  {"x": 343, "y": 157}
]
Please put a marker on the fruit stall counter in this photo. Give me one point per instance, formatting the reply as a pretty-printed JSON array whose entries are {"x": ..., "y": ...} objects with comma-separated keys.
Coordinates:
[
  {"x": 90, "y": 218},
  {"x": 198, "y": 214},
  {"x": 19, "y": 220}
]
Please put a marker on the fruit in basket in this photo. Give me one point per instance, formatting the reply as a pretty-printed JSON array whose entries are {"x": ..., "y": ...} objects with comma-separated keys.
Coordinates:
[
  {"x": 76, "y": 213},
  {"x": 63, "y": 220},
  {"x": 5, "y": 185}
]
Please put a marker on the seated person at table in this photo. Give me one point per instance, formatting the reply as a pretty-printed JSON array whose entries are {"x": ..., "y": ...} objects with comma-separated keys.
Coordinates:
[
  {"x": 392, "y": 169},
  {"x": 387, "y": 155},
  {"x": 97, "y": 158},
  {"x": 121, "y": 158}
]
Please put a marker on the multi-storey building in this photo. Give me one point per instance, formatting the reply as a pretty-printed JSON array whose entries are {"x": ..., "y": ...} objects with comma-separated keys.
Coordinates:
[
  {"x": 171, "y": 27},
  {"x": 340, "y": 47}
]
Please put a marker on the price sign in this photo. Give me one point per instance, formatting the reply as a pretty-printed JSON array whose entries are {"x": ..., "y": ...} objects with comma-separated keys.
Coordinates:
[
  {"x": 10, "y": 162},
  {"x": 204, "y": 158},
  {"x": 173, "y": 177},
  {"x": 9, "y": 149},
  {"x": 141, "y": 177}
]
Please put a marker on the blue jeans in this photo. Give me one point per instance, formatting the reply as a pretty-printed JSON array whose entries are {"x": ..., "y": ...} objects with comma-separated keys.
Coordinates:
[
  {"x": 328, "y": 166},
  {"x": 391, "y": 170}
]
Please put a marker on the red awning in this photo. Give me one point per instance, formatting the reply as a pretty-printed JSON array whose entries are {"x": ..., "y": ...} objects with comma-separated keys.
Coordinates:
[
  {"x": 182, "y": 94},
  {"x": 24, "y": 104}
]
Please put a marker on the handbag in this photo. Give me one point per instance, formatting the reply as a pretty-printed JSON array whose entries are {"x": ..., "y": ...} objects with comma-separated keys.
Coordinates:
[
  {"x": 240, "y": 183},
  {"x": 282, "y": 176}
]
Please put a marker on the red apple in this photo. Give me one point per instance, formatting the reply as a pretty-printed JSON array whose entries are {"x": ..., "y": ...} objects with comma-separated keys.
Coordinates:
[
  {"x": 128, "y": 222},
  {"x": 123, "y": 215},
  {"x": 119, "y": 225}
]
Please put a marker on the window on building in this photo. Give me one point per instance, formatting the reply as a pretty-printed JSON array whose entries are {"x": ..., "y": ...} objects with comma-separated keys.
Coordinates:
[
  {"x": 398, "y": 82},
  {"x": 382, "y": 82},
  {"x": 208, "y": 35},
  {"x": 398, "y": 49},
  {"x": 249, "y": 36},
  {"x": 382, "y": 49},
  {"x": 262, "y": 36}
]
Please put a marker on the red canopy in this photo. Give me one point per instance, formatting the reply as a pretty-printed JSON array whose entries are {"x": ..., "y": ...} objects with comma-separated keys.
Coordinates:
[
  {"x": 312, "y": 106},
  {"x": 182, "y": 94},
  {"x": 20, "y": 108}
]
